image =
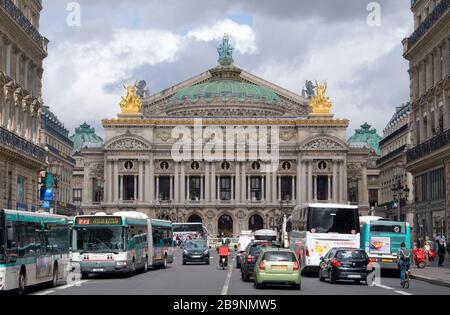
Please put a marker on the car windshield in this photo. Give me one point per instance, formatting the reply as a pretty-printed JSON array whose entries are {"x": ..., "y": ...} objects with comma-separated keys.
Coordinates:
[
  {"x": 104, "y": 239},
  {"x": 2, "y": 238},
  {"x": 279, "y": 257},
  {"x": 351, "y": 255},
  {"x": 195, "y": 245},
  {"x": 325, "y": 220}
]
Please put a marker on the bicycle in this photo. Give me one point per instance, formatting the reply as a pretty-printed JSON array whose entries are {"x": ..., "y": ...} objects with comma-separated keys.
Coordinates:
[{"x": 405, "y": 283}]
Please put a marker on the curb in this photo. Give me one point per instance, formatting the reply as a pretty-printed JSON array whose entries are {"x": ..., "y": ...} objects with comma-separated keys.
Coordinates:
[{"x": 434, "y": 281}]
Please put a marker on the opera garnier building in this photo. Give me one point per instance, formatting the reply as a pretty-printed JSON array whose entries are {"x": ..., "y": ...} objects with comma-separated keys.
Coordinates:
[{"x": 225, "y": 148}]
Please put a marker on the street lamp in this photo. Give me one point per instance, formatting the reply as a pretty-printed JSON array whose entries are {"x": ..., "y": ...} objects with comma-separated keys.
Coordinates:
[{"x": 399, "y": 190}]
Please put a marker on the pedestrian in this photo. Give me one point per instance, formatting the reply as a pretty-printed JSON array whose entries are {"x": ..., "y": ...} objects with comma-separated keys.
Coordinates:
[
  {"x": 441, "y": 253},
  {"x": 426, "y": 250}
]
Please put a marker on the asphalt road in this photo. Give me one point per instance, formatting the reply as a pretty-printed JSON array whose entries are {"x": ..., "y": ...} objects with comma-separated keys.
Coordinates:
[{"x": 203, "y": 280}]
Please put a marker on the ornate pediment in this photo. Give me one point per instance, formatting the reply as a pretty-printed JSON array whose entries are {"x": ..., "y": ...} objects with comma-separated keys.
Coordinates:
[
  {"x": 128, "y": 143},
  {"x": 323, "y": 144}
]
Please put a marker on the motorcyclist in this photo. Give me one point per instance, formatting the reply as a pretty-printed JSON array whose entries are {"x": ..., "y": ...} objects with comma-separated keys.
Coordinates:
[
  {"x": 404, "y": 261},
  {"x": 224, "y": 252}
]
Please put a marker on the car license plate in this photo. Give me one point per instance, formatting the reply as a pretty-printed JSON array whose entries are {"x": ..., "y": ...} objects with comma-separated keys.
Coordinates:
[
  {"x": 387, "y": 260},
  {"x": 279, "y": 268},
  {"x": 354, "y": 276},
  {"x": 98, "y": 270},
  {"x": 196, "y": 256}
]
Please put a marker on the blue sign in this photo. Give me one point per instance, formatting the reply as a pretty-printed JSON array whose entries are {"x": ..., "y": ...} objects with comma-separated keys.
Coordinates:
[
  {"x": 46, "y": 205},
  {"x": 48, "y": 196}
]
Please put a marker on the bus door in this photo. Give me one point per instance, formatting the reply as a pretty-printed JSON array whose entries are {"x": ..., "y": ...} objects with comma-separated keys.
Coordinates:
[{"x": 44, "y": 253}]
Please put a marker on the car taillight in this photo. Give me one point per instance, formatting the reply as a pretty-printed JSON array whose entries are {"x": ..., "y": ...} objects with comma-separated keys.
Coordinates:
[
  {"x": 296, "y": 266},
  {"x": 373, "y": 260},
  {"x": 335, "y": 263},
  {"x": 262, "y": 266},
  {"x": 307, "y": 251}
]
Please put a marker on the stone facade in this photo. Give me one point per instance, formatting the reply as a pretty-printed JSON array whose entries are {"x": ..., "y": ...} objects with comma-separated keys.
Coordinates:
[
  {"x": 22, "y": 50},
  {"x": 138, "y": 171},
  {"x": 428, "y": 53}
]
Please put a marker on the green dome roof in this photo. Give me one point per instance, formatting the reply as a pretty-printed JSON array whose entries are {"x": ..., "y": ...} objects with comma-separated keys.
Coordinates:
[
  {"x": 226, "y": 89},
  {"x": 368, "y": 136}
]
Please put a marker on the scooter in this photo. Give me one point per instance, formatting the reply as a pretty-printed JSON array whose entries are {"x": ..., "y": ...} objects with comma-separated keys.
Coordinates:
[
  {"x": 223, "y": 262},
  {"x": 420, "y": 258},
  {"x": 432, "y": 255}
]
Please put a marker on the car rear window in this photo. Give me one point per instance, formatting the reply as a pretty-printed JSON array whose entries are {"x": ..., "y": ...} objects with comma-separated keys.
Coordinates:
[
  {"x": 279, "y": 257},
  {"x": 351, "y": 254}
]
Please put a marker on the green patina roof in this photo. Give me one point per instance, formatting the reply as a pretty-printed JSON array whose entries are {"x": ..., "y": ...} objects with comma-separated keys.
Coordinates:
[
  {"x": 369, "y": 136},
  {"x": 226, "y": 89},
  {"x": 84, "y": 137}
]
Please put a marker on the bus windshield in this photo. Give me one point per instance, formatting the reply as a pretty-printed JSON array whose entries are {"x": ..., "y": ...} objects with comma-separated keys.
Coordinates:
[
  {"x": 328, "y": 220},
  {"x": 2, "y": 239},
  {"x": 387, "y": 227},
  {"x": 100, "y": 239}
]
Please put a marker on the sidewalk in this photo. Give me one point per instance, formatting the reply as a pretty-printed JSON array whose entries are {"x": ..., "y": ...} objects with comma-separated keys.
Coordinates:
[{"x": 433, "y": 274}]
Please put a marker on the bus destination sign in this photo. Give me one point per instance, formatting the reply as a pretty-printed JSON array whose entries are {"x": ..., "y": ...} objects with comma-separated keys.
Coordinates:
[{"x": 99, "y": 221}]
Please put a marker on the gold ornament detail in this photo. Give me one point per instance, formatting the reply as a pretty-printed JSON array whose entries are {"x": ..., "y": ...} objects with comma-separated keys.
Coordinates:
[
  {"x": 131, "y": 103},
  {"x": 320, "y": 103}
]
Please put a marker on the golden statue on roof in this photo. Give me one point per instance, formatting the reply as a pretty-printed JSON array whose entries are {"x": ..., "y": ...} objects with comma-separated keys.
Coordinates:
[
  {"x": 320, "y": 103},
  {"x": 131, "y": 103}
]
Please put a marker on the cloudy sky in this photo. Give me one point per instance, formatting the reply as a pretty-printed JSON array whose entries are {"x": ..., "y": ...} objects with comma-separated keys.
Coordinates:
[{"x": 168, "y": 41}]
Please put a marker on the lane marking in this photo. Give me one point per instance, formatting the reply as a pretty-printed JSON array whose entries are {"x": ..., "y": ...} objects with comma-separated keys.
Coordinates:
[
  {"x": 384, "y": 287},
  {"x": 402, "y": 292},
  {"x": 77, "y": 284},
  {"x": 45, "y": 292},
  {"x": 227, "y": 281}
]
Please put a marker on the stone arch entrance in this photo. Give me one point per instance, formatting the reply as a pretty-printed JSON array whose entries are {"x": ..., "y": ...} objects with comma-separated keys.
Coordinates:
[
  {"x": 255, "y": 223},
  {"x": 195, "y": 218},
  {"x": 225, "y": 226}
]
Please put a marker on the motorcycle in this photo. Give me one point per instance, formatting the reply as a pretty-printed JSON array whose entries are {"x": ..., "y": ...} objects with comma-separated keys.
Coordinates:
[
  {"x": 432, "y": 255},
  {"x": 420, "y": 259},
  {"x": 223, "y": 262}
]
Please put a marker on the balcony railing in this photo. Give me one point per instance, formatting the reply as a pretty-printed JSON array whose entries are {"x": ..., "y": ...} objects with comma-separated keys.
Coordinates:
[
  {"x": 25, "y": 147},
  {"x": 428, "y": 147},
  {"x": 22, "y": 20},
  {"x": 431, "y": 19},
  {"x": 391, "y": 155}
]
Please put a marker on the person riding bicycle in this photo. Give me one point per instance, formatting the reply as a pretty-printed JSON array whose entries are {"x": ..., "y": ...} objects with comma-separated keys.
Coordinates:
[
  {"x": 404, "y": 261},
  {"x": 224, "y": 251}
]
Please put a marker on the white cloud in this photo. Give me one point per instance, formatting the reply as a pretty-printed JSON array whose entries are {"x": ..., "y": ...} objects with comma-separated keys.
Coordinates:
[{"x": 242, "y": 35}]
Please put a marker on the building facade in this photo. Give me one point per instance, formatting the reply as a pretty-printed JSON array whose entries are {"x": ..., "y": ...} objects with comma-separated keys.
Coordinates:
[
  {"x": 395, "y": 143},
  {"x": 55, "y": 138},
  {"x": 22, "y": 50},
  {"x": 140, "y": 166},
  {"x": 428, "y": 53}
]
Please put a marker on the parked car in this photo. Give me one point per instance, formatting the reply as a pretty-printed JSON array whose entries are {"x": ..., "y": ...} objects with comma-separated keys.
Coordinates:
[
  {"x": 277, "y": 266},
  {"x": 196, "y": 251},
  {"x": 249, "y": 258},
  {"x": 344, "y": 264},
  {"x": 244, "y": 240}
]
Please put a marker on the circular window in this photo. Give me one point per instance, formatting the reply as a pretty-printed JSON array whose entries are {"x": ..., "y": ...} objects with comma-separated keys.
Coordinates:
[
  {"x": 322, "y": 165},
  {"x": 256, "y": 166},
  {"x": 128, "y": 165},
  {"x": 225, "y": 166},
  {"x": 195, "y": 165},
  {"x": 286, "y": 166},
  {"x": 164, "y": 166}
]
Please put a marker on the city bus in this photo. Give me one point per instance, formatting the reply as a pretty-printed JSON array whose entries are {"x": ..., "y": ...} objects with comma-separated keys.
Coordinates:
[
  {"x": 381, "y": 239},
  {"x": 34, "y": 249},
  {"x": 316, "y": 228},
  {"x": 123, "y": 242},
  {"x": 184, "y": 230}
]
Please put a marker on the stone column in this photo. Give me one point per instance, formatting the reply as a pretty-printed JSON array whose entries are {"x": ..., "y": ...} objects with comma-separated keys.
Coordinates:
[
  {"x": 8, "y": 59},
  {"x": 232, "y": 188},
  {"x": 218, "y": 188},
  {"x": 263, "y": 188},
  {"x": 151, "y": 179},
  {"x": 335, "y": 182},
  {"x": 207, "y": 182},
  {"x": 274, "y": 187},
  {"x": 177, "y": 183},
  {"x": 213, "y": 183},
  {"x": 188, "y": 187},
  {"x": 121, "y": 189},
  {"x": 202, "y": 197},
  {"x": 141, "y": 182},
  {"x": 310, "y": 181},
  {"x": 293, "y": 189},
  {"x": 343, "y": 182},
  {"x": 116, "y": 196},
  {"x": 135, "y": 182},
  {"x": 268, "y": 187},
  {"x": 171, "y": 188},
  {"x": 244, "y": 182},
  {"x": 279, "y": 188},
  {"x": 315, "y": 187},
  {"x": 329, "y": 188},
  {"x": 157, "y": 188},
  {"x": 237, "y": 188},
  {"x": 299, "y": 196},
  {"x": 183, "y": 183},
  {"x": 365, "y": 189}
]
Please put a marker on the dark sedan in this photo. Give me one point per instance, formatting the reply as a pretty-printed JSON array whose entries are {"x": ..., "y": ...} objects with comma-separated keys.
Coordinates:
[
  {"x": 196, "y": 251},
  {"x": 250, "y": 256},
  {"x": 344, "y": 264}
]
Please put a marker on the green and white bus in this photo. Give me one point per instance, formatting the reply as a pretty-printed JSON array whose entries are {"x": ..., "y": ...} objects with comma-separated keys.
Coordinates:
[
  {"x": 123, "y": 242},
  {"x": 34, "y": 249}
]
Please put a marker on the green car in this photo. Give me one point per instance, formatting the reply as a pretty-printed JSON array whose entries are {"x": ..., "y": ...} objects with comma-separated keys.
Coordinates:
[{"x": 277, "y": 266}]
